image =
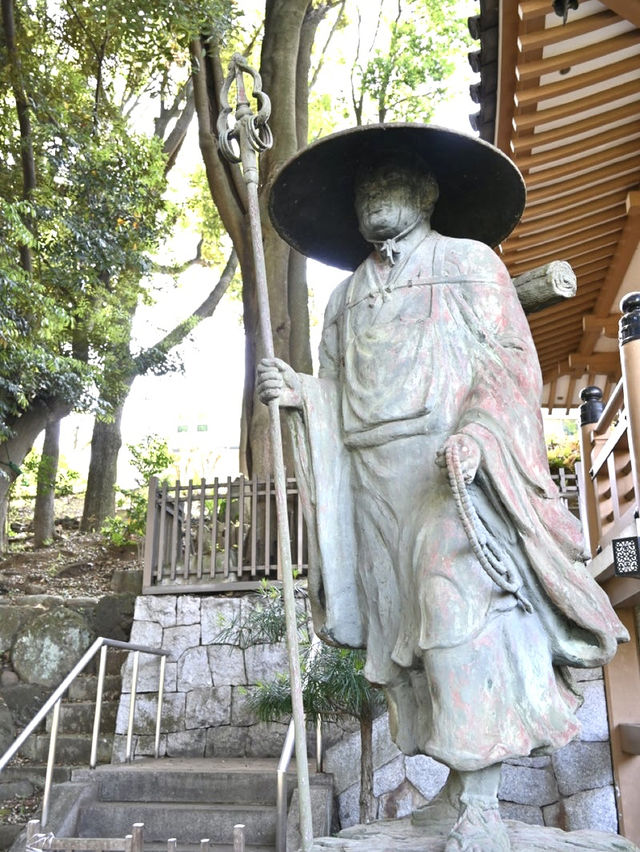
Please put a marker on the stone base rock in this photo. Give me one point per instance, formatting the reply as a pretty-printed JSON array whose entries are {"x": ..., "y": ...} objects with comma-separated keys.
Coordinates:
[{"x": 400, "y": 835}]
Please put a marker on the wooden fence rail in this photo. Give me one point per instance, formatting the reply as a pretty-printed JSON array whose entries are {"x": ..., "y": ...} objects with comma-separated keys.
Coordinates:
[
  {"x": 209, "y": 535},
  {"x": 222, "y": 535}
]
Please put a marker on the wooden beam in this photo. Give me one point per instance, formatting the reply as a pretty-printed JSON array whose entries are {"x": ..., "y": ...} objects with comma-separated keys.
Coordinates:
[
  {"x": 604, "y": 326},
  {"x": 527, "y": 70},
  {"x": 583, "y": 165},
  {"x": 598, "y": 362},
  {"x": 574, "y": 216},
  {"x": 563, "y": 243},
  {"x": 575, "y": 82},
  {"x": 508, "y": 53},
  {"x": 528, "y": 9},
  {"x": 629, "y": 169},
  {"x": 622, "y": 687},
  {"x": 575, "y": 228},
  {"x": 627, "y": 9},
  {"x": 528, "y": 141},
  {"x": 558, "y": 205},
  {"x": 572, "y": 29},
  {"x": 627, "y": 245},
  {"x": 580, "y": 147},
  {"x": 580, "y": 255},
  {"x": 523, "y": 122}
]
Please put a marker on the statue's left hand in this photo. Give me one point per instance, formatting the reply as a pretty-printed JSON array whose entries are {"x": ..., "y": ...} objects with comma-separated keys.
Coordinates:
[{"x": 468, "y": 453}]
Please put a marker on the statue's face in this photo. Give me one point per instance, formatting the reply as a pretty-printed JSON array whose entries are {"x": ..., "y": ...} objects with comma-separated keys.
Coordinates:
[{"x": 386, "y": 203}]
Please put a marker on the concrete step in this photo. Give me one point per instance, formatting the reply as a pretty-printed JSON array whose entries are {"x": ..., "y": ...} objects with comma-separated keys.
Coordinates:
[
  {"x": 28, "y": 778},
  {"x": 187, "y": 822},
  {"x": 76, "y": 717},
  {"x": 213, "y": 847},
  {"x": 70, "y": 748},
  {"x": 214, "y": 786}
]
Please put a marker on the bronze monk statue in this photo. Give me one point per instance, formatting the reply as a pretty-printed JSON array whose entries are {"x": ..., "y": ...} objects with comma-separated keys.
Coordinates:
[{"x": 437, "y": 539}]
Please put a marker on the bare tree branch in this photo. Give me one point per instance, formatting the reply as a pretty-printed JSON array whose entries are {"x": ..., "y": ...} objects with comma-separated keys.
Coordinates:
[
  {"x": 204, "y": 310},
  {"x": 325, "y": 46}
]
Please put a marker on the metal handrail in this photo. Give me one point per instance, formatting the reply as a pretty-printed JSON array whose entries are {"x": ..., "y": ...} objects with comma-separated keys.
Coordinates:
[
  {"x": 55, "y": 700},
  {"x": 283, "y": 766}
]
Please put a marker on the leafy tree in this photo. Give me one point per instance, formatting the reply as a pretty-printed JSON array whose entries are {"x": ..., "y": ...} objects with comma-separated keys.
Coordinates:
[{"x": 333, "y": 683}]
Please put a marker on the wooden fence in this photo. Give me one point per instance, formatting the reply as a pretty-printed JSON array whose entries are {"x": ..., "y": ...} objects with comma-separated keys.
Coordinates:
[
  {"x": 221, "y": 536},
  {"x": 210, "y": 535}
]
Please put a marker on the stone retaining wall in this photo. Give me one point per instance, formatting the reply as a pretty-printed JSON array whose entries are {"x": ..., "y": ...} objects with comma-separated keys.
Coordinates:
[{"x": 206, "y": 714}]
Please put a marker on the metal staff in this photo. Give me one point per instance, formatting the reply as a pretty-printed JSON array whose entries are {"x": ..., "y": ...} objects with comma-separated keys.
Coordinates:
[{"x": 252, "y": 135}]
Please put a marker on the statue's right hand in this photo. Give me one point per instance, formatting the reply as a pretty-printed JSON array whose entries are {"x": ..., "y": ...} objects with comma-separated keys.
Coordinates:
[{"x": 277, "y": 380}]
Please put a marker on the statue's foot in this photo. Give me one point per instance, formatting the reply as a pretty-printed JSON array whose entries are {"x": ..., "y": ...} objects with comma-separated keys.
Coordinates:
[{"x": 479, "y": 828}]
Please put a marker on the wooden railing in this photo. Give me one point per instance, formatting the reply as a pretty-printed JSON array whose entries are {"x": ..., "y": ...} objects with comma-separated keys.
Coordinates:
[
  {"x": 209, "y": 536},
  {"x": 610, "y": 495},
  {"x": 203, "y": 537}
]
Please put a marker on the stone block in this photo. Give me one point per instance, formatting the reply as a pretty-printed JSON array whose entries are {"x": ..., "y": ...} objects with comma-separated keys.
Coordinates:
[
  {"x": 186, "y": 743},
  {"x": 227, "y": 665},
  {"x": 400, "y": 802},
  {"x": 349, "y": 806},
  {"x": 226, "y": 741},
  {"x": 11, "y": 619},
  {"x": 127, "y": 580},
  {"x": 147, "y": 633},
  {"x": 24, "y": 700},
  {"x": 172, "y": 719},
  {"x": 524, "y": 785},
  {"x": 553, "y": 815},
  {"x": 384, "y": 749},
  {"x": 523, "y": 813},
  {"x": 427, "y": 775},
  {"x": 321, "y": 814},
  {"x": 241, "y": 713},
  {"x": 533, "y": 762},
  {"x": 591, "y": 809},
  {"x": 389, "y": 776},
  {"x": 208, "y": 706},
  {"x": 343, "y": 762},
  {"x": 264, "y": 662},
  {"x": 158, "y": 608},
  {"x": 148, "y": 674},
  {"x": 580, "y": 675},
  {"x": 112, "y": 617},
  {"x": 146, "y": 746},
  {"x": 193, "y": 670},
  {"x": 593, "y": 713},
  {"x": 266, "y": 739},
  {"x": 188, "y": 610},
  {"x": 215, "y": 615},
  {"x": 47, "y": 647},
  {"x": 582, "y": 766},
  {"x": 177, "y": 640}
]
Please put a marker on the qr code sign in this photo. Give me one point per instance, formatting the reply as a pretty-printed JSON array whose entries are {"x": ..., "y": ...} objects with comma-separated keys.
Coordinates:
[{"x": 626, "y": 556}]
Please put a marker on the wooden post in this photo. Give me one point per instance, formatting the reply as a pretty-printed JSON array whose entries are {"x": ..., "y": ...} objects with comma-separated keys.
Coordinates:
[
  {"x": 150, "y": 538},
  {"x": 590, "y": 411},
  {"x": 630, "y": 361}
]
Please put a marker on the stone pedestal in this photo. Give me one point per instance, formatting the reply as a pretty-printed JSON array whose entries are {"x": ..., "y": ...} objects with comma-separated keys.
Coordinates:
[{"x": 400, "y": 835}]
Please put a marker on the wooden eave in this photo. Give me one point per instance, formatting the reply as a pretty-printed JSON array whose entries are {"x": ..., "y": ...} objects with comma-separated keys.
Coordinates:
[{"x": 563, "y": 101}]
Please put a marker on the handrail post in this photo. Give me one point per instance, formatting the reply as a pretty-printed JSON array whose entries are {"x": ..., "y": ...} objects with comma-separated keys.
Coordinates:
[
  {"x": 132, "y": 705},
  {"x": 238, "y": 838},
  {"x": 590, "y": 411},
  {"x": 53, "y": 736},
  {"x": 629, "y": 339},
  {"x": 93, "y": 759},
  {"x": 319, "y": 746},
  {"x": 281, "y": 811},
  {"x": 161, "y": 676},
  {"x": 151, "y": 534}
]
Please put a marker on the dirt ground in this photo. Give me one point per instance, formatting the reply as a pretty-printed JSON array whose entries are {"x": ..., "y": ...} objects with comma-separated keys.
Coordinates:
[{"x": 75, "y": 564}]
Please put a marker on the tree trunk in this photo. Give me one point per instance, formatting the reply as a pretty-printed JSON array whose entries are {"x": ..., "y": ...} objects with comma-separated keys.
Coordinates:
[
  {"x": 25, "y": 429},
  {"x": 44, "y": 511},
  {"x": 100, "y": 496},
  {"x": 367, "y": 799}
]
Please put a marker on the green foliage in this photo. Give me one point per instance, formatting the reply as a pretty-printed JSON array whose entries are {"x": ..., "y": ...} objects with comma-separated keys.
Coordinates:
[
  {"x": 413, "y": 52},
  {"x": 35, "y": 465},
  {"x": 563, "y": 452},
  {"x": 151, "y": 457},
  {"x": 333, "y": 681}
]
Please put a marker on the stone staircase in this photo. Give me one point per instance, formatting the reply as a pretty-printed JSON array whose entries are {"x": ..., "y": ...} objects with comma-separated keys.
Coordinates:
[
  {"x": 23, "y": 777},
  {"x": 191, "y": 799}
]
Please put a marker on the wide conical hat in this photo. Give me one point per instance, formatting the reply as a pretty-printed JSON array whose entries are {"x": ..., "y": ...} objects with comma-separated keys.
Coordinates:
[{"x": 482, "y": 193}]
